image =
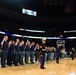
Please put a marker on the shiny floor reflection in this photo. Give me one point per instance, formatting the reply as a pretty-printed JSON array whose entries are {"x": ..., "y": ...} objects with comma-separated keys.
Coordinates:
[{"x": 66, "y": 67}]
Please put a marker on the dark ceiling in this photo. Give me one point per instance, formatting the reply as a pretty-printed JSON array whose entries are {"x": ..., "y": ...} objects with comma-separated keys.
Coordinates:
[
  {"x": 53, "y": 18},
  {"x": 43, "y": 7}
]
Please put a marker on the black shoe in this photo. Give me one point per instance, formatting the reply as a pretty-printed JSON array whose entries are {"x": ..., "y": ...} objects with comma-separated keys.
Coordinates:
[
  {"x": 16, "y": 65},
  {"x": 32, "y": 63},
  {"x": 22, "y": 64},
  {"x": 43, "y": 68},
  {"x": 3, "y": 66},
  {"x": 57, "y": 62}
]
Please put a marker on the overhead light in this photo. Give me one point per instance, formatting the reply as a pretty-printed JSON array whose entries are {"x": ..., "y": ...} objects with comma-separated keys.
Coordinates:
[
  {"x": 71, "y": 38},
  {"x": 2, "y": 32},
  {"x": 35, "y": 31},
  {"x": 71, "y": 31},
  {"x": 53, "y": 37},
  {"x": 17, "y": 35},
  {"x": 28, "y": 30},
  {"x": 34, "y": 37}
]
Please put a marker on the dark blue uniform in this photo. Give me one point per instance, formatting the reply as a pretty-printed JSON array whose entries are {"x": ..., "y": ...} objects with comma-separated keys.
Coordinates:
[
  {"x": 22, "y": 53},
  {"x": 37, "y": 54},
  {"x": 4, "y": 53},
  {"x": 27, "y": 53},
  {"x": 17, "y": 49},
  {"x": 48, "y": 55},
  {"x": 57, "y": 54},
  {"x": 73, "y": 54},
  {"x": 11, "y": 54},
  {"x": 42, "y": 54},
  {"x": 32, "y": 54}
]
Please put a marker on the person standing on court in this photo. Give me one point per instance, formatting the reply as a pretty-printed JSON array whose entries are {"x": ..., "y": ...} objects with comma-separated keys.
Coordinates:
[
  {"x": 11, "y": 52},
  {"x": 17, "y": 49},
  {"x": 27, "y": 52},
  {"x": 4, "y": 45},
  {"x": 73, "y": 53},
  {"x": 57, "y": 53},
  {"x": 22, "y": 52},
  {"x": 42, "y": 53},
  {"x": 32, "y": 54},
  {"x": 37, "y": 53}
]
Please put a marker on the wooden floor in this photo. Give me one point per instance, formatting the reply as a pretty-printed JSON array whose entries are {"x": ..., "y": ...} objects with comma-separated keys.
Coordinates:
[{"x": 66, "y": 67}]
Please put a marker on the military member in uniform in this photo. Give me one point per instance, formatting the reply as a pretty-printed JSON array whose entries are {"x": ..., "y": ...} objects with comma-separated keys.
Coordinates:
[
  {"x": 17, "y": 49},
  {"x": 73, "y": 53},
  {"x": 27, "y": 52},
  {"x": 42, "y": 53},
  {"x": 4, "y": 45},
  {"x": 57, "y": 53},
  {"x": 11, "y": 52},
  {"x": 22, "y": 52},
  {"x": 32, "y": 54}
]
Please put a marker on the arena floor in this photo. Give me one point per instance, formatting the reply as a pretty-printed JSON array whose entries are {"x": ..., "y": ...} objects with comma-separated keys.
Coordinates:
[{"x": 66, "y": 67}]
